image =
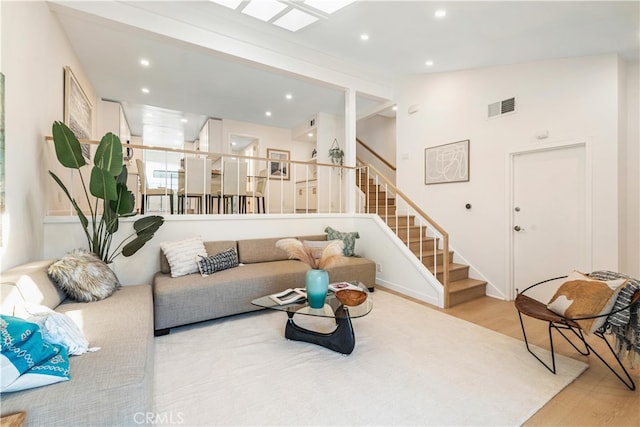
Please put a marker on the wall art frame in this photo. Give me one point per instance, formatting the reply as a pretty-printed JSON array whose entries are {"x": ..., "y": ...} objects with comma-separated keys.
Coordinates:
[
  {"x": 78, "y": 110},
  {"x": 279, "y": 165},
  {"x": 447, "y": 163}
]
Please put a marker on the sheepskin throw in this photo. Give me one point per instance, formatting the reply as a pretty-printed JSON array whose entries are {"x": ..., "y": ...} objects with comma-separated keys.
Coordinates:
[{"x": 83, "y": 276}]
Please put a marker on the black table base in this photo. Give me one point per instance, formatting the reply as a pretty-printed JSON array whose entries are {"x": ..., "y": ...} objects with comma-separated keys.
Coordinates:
[{"x": 342, "y": 339}]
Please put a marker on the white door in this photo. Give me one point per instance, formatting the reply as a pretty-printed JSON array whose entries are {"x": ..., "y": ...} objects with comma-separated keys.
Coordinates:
[{"x": 549, "y": 215}]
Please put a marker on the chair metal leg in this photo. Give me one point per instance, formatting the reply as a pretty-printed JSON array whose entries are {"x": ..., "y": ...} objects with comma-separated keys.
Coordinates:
[
  {"x": 551, "y": 368},
  {"x": 628, "y": 381}
]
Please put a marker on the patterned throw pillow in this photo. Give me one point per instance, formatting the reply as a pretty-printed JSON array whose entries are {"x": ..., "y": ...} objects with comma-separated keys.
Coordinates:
[
  {"x": 182, "y": 255},
  {"x": 349, "y": 240},
  {"x": 217, "y": 262},
  {"x": 580, "y": 296},
  {"x": 83, "y": 276}
]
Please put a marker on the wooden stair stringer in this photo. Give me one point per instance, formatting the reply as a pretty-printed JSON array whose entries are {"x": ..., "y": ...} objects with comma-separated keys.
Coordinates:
[{"x": 462, "y": 288}]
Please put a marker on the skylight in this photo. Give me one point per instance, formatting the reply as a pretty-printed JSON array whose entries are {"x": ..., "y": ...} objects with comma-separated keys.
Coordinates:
[
  {"x": 294, "y": 20},
  {"x": 231, "y": 4},
  {"x": 288, "y": 14},
  {"x": 328, "y": 6},
  {"x": 264, "y": 10}
]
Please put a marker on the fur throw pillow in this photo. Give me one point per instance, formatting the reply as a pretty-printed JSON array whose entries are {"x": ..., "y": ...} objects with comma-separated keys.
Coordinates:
[{"x": 83, "y": 276}]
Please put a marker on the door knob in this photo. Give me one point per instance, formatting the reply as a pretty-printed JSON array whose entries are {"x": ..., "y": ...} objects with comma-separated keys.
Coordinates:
[{"x": 518, "y": 228}]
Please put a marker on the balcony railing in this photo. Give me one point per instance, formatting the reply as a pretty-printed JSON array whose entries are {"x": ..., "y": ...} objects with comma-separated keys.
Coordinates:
[{"x": 232, "y": 184}]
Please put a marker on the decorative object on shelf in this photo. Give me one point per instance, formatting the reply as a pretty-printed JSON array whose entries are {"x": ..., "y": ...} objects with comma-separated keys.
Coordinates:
[
  {"x": 447, "y": 163},
  {"x": 108, "y": 184},
  {"x": 316, "y": 282},
  {"x": 316, "y": 279},
  {"x": 278, "y": 164},
  {"x": 314, "y": 153},
  {"x": 336, "y": 154},
  {"x": 78, "y": 111}
]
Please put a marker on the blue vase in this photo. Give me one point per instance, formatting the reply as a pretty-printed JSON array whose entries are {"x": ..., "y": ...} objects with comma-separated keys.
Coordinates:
[{"x": 317, "y": 284}]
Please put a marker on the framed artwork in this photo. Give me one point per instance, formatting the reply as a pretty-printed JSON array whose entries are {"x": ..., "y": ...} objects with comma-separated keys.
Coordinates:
[
  {"x": 278, "y": 163},
  {"x": 447, "y": 163},
  {"x": 78, "y": 110}
]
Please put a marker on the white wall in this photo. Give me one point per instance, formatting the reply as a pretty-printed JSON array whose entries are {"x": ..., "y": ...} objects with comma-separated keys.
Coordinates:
[
  {"x": 275, "y": 138},
  {"x": 573, "y": 99},
  {"x": 399, "y": 272},
  {"x": 379, "y": 134},
  {"x": 34, "y": 53},
  {"x": 630, "y": 177}
]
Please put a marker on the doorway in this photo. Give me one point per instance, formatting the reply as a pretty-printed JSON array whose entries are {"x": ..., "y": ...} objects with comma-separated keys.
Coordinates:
[{"x": 550, "y": 214}]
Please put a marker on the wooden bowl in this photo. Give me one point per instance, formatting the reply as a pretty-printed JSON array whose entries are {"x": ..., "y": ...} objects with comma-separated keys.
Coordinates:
[{"x": 351, "y": 297}]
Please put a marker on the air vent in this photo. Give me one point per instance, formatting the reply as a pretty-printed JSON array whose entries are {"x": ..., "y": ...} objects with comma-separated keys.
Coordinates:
[{"x": 502, "y": 107}]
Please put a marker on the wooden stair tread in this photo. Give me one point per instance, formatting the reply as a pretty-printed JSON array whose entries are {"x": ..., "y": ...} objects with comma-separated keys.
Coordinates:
[
  {"x": 453, "y": 266},
  {"x": 464, "y": 284}
]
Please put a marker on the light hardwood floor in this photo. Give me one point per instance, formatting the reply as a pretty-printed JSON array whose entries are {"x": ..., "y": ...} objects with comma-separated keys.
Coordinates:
[{"x": 595, "y": 398}]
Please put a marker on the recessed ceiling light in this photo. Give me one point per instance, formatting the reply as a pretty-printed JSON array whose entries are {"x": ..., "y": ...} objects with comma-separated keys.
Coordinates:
[
  {"x": 440, "y": 13},
  {"x": 264, "y": 10},
  {"x": 310, "y": 134},
  {"x": 394, "y": 108},
  {"x": 144, "y": 62},
  {"x": 294, "y": 20},
  {"x": 289, "y": 96},
  {"x": 429, "y": 63},
  {"x": 267, "y": 113},
  {"x": 329, "y": 6},
  {"x": 145, "y": 90},
  {"x": 231, "y": 4},
  {"x": 184, "y": 120},
  {"x": 364, "y": 37}
]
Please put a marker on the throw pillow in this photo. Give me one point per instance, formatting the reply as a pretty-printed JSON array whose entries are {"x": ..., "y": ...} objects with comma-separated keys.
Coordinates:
[
  {"x": 349, "y": 240},
  {"x": 182, "y": 254},
  {"x": 218, "y": 262},
  {"x": 26, "y": 360},
  {"x": 580, "y": 296},
  {"x": 83, "y": 276}
]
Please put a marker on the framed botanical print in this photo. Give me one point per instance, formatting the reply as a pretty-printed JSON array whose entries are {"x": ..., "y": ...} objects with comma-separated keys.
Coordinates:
[{"x": 78, "y": 110}]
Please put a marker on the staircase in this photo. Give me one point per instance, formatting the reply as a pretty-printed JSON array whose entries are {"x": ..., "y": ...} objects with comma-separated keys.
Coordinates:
[{"x": 461, "y": 287}]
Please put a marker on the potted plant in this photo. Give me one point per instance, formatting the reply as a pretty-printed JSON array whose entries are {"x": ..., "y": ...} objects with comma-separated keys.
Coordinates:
[
  {"x": 111, "y": 197},
  {"x": 336, "y": 154}
]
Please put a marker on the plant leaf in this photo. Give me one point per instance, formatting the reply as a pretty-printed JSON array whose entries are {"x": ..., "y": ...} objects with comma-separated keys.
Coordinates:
[
  {"x": 110, "y": 218},
  {"x": 81, "y": 216},
  {"x": 68, "y": 150},
  {"x": 148, "y": 224},
  {"x": 103, "y": 184},
  {"x": 109, "y": 154},
  {"x": 124, "y": 204},
  {"x": 145, "y": 229},
  {"x": 134, "y": 246}
]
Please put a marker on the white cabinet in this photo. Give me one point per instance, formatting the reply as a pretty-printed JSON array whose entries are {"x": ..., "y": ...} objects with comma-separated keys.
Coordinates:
[
  {"x": 307, "y": 196},
  {"x": 210, "y": 137}
]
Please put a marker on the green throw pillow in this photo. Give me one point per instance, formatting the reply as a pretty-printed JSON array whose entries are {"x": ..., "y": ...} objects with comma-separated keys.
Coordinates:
[{"x": 349, "y": 240}]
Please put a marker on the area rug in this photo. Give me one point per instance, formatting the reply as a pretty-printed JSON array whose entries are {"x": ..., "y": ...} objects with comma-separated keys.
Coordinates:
[{"x": 412, "y": 365}]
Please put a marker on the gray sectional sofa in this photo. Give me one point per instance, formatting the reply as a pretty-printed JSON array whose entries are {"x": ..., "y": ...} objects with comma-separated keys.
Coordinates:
[
  {"x": 112, "y": 386},
  {"x": 264, "y": 269}
]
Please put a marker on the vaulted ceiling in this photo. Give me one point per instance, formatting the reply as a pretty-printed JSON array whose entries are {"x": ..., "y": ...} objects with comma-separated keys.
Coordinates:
[{"x": 191, "y": 81}]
